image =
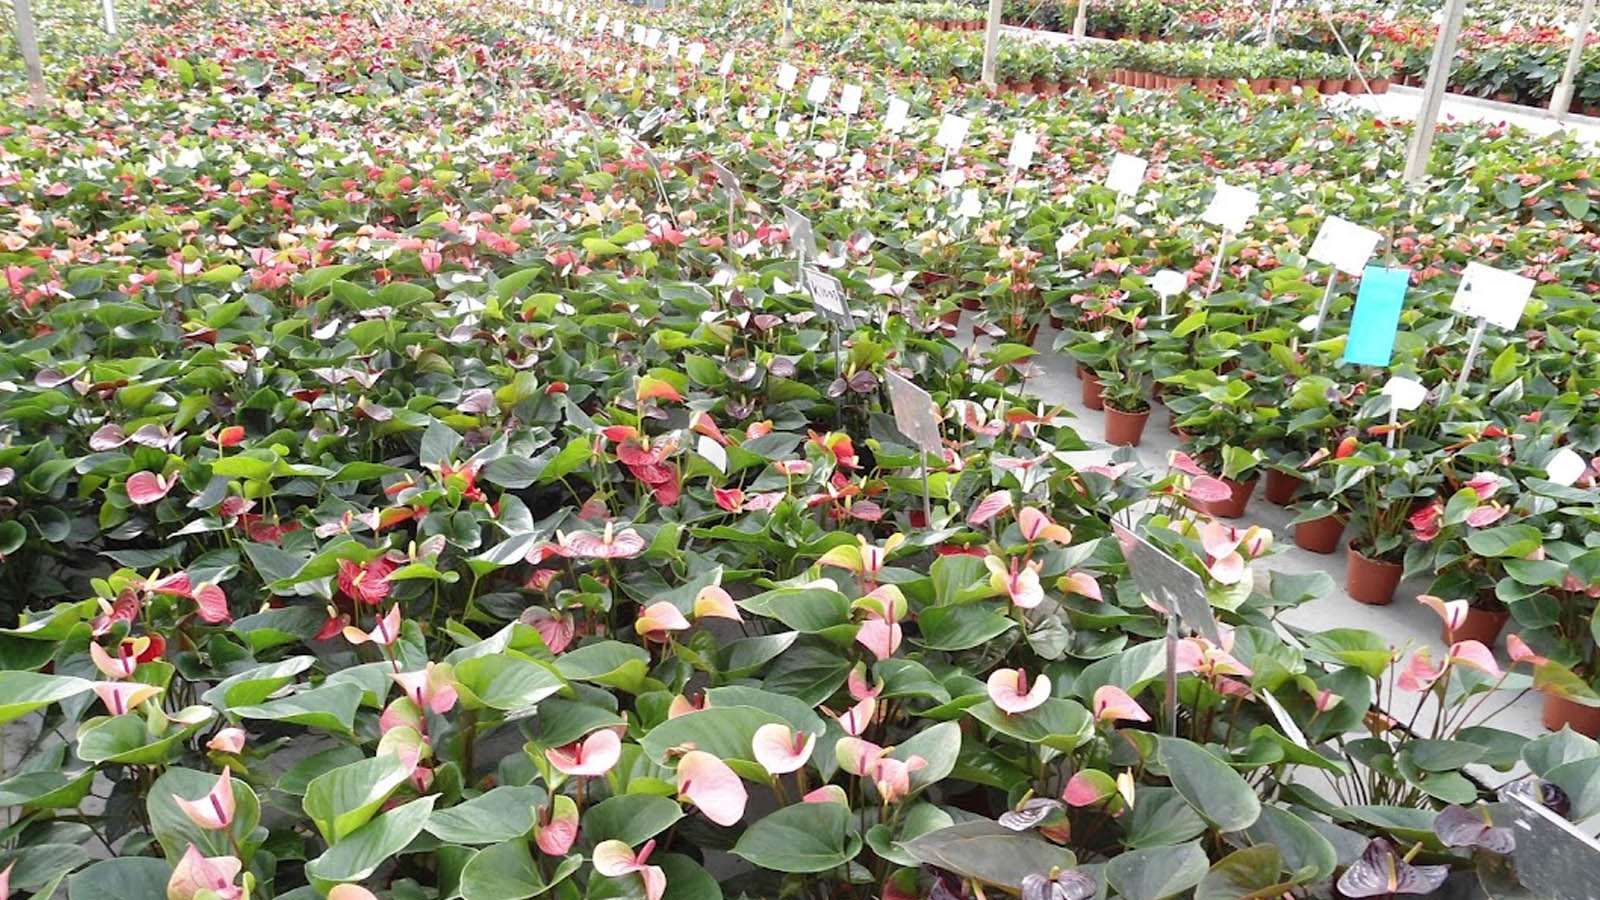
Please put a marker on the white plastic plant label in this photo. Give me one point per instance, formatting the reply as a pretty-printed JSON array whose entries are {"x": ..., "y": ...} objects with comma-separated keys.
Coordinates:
[
  {"x": 1406, "y": 394},
  {"x": 652, "y": 38},
  {"x": 828, "y": 295},
  {"x": 952, "y": 131},
  {"x": 640, "y": 33},
  {"x": 696, "y": 53},
  {"x": 895, "y": 119},
  {"x": 713, "y": 453},
  {"x": 616, "y": 28},
  {"x": 673, "y": 45},
  {"x": 1231, "y": 207},
  {"x": 726, "y": 66},
  {"x": 802, "y": 239},
  {"x": 1126, "y": 173},
  {"x": 1494, "y": 295},
  {"x": 786, "y": 76},
  {"x": 952, "y": 178},
  {"x": 601, "y": 23},
  {"x": 1344, "y": 245},
  {"x": 826, "y": 150},
  {"x": 781, "y": 129},
  {"x": 1023, "y": 146},
  {"x": 1169, "y": 282},
  {"x": 817, "y": 91},
  {"x": 850, "y": 99},
  {"x": 1565, "y": 467},
  {"x": 858, "y": 161}
]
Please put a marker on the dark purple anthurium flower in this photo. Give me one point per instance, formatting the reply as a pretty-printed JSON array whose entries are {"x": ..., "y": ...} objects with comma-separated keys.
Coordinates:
[
  {"x": 947, "y": 886},
  {"x": 1458, "y": 826},
  {"x": 1062, "y": 884},
  {"x": 1545, "y": 793},
  {"x": 1381, "y": 872}
]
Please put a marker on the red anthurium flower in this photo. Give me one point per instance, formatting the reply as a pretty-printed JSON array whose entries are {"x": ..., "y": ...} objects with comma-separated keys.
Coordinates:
[
  {"x": 614, "y": 859},
  {"x": 333, "y": 626},
  {"x": 230, "y": 436},
  {"x": 1427, "y": 521},
  {"x": 367, "y": 582},
  {"x": 1484, "y": 484},
  {"x": 712, "y": 787},
  {"x": 590, "y": 757},
  {"x": 1346, "y": 447},
  {"x": 1112, "y": 704},
  {"x": 215, "y": 810},
  {"x": 780, "y": 749},
  {"x": 730, "y": 499},
  {"x": 145, "y": 488}
]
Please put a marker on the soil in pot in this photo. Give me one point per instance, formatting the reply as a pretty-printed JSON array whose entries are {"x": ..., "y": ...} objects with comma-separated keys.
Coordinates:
[
  {"x": 1125, "y": 429},
  {"x": 1239, "y": 498},
  {"x": 1559, "y": 712},
  {"x": 1319, "y": 535},
  {"x": 1281, "y": 487},
  {"x": 1370, "y": 581},
  {"x": 1482, "y": 625}
]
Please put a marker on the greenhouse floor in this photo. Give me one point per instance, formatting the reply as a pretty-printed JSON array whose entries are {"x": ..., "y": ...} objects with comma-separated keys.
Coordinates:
[
  {"x": 1404, "y": 102},
  {"x": 1407, "y": 623}
]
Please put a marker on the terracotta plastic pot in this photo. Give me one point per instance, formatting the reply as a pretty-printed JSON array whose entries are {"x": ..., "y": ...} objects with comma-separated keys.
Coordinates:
[
  {"x": 1091, "y": 391},
  {"x": 1370, "y": 581},
  {"x": 1319, "y": 535},
  {"x": 1238, "y": 499},
  {"x": 1282, "y": 85},
  {"x": 972, "y": 303},
  {"x": 1281, "y": 487},
  {"x": 1379, "y": 85},
  {"x": 1124, "y": 429},
  {"x": 1482, "y": 625},
  {"x": 951, "y": 317},
  {"x": 1560, "y": 712},
  {"x": 1260, "y": 85},
  {"x": 1331, "y": 86}
]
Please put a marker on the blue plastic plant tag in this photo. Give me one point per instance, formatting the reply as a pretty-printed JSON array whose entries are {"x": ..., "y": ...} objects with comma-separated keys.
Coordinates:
[{"x": 1377, "y": 316}]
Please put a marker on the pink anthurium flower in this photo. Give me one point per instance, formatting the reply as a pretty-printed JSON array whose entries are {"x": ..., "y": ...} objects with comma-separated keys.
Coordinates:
[
  {"x": 880, "y": 636},
  {"x": 1221, "y": 543},
  {"x": 385, "y": 632},
  {"x": 432, "y": 688},
  {"x": 892, "y": 777},
  {"x": 1453, "y": 612},
  {"x": 1475, "y": 655},
  {"x": 857, "y": 756},
  {"x": 126, "y": 660},
  {"x": 714, "y": 601},
  {"x": 557, "y": 827},
  {"x": 780, "y": 749},
  {"x": 712, "y": 787},
  {"x": 1201, "y": 656},
  {"x": 556, "y": 629},
  {"x": 350, "y": 892},
  {"x": 856, "y": 719},
  {"x": 857, "y": 684},
  {"x": 1011, "y": 692},
  {"x": 1019, "y": 582},
  {"x": 658, "y": 620},
  {"x": 1112, "y": 704},
  {"x": 215, "y": 810},
  {"x": 1036, "y": 526},
  {"x": 1087, "y": 787},
  {"x": 401, "y": 713},
  {"x": 145, "y": 488},
  {"x": 1081, "y": 583},
  {"x": 228, "y": 740},
  {"x": 610, "y": 544},
  {"x": 1521, "y": 653},
  {"x": 991, "y": 506},
  {"x": 1484, "y": 516},
  {"x": 614, "y": 859},
  {"x": 682, "y": 705},
  {"x": 1484, "y": 484},
  {"x": 122, "y": 696},
  {"x": 5, "y": 880},
  {"x": 196, "y": 873},
  {"x": 593, "y": 756},
  {"x": 828, "y": 793},
  {"x": 1420, "y": 673}
]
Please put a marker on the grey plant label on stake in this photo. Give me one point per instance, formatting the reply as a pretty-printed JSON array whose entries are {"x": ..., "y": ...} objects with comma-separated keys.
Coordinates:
[
  {"x": 1231, "y": 207},
  {"x": 915, "y": 413},
  {"x": 1553, "y": 858},
  {"x": 827, "y": 294},
  {"x": 1168, "y": 582},
  {"x": 801, "y": 239},
  {"x": 729, "y": 182}
]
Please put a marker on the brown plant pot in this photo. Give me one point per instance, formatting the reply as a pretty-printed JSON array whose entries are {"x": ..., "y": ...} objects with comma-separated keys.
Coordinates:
[
  {"x": 1091, "y": 391},
  {"x": 951, "y": 317},
  {"x": 1260, "y": 85},
  {"x": 1207, "y": 85},
  {"x": 1371, "y": 581},
  {"x": 1559, "y": 712},
  {"x": 1281, "y": 487},
  {"x": 1482, "y": 625},
  {"x": 972, "y": 304},
  {"x": 1331, "y": 86},
  {"x": 1282, "y": 85},
  {"x": 1238, "y": 499},
  {"x": 1124, "y": 429},
  {"x": 1057, "y": 322},
  {"x": 1319, "y": 535}
]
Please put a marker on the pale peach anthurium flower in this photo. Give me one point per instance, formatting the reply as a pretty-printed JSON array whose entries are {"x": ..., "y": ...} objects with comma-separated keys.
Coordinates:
[
  {"x": 1011, "y": 691},
  {"x": 590, "y": 757},
  {"x": 614, "y": 859},
  {"x": 780, "y": 749},
  {"x": 712, "y": 787},
  {"x": 215, "y": 810}
]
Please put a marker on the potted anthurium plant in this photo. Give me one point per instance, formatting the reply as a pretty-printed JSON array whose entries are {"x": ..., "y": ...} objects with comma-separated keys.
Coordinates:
[
  {"x": 1318, "y": 522},
  {"x": 1377, "y": 487},
  {"x": 1466, "y": 545},
  {"x": 1221, "y": 419}
]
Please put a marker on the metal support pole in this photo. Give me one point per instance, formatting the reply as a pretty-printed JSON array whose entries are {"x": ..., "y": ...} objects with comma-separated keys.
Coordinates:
[
  {"x": 991, "y": 42},
  {"x": 1272, "y": 25},
  {"x": 1080, "y": 22},
  {"x": 1472, "y": 356},
  {"x": 1433, "y": 95},
  {"x": 1562, "y": 101},
  {"x": 28, "y": 44},
  {"x": 109, "y": 8},
  {"x": 787, "y": 39},
  {"x": 1172, "y": 672},
  {"x": 1216, "y": 264}
]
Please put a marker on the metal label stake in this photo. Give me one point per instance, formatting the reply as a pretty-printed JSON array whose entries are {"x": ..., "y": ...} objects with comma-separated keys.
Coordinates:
[{"x": 1322, "y": 308}]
